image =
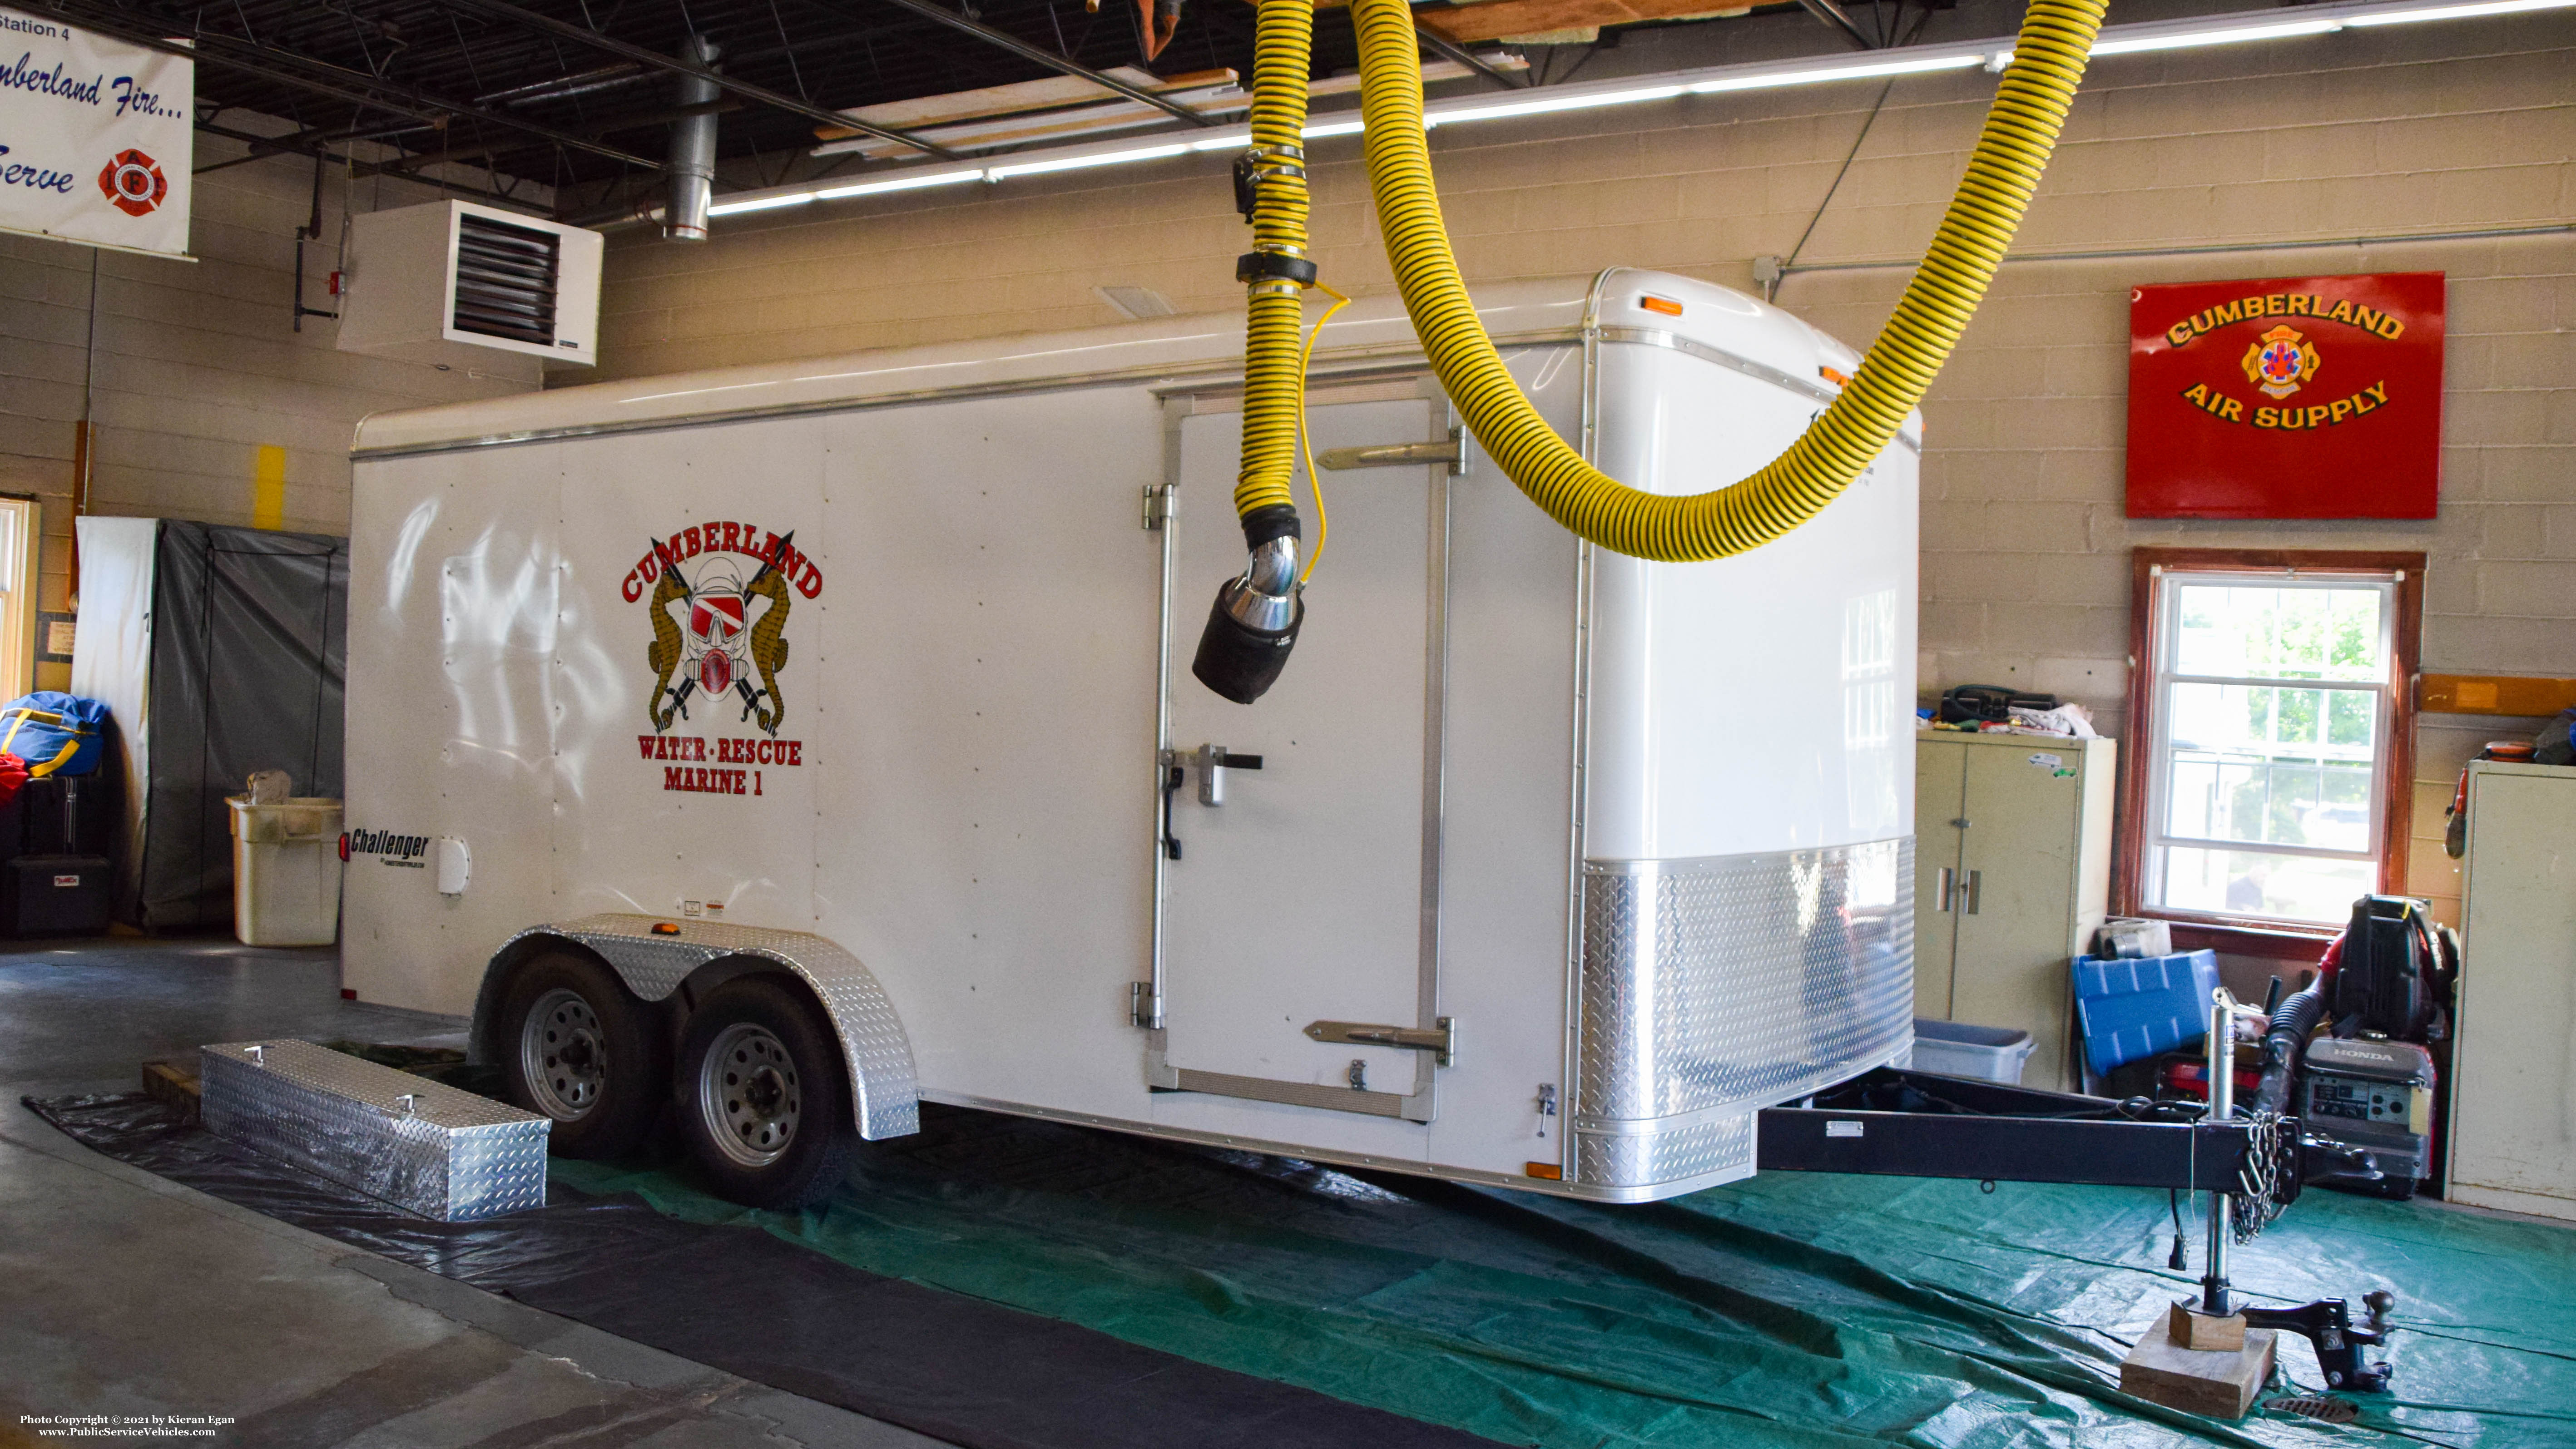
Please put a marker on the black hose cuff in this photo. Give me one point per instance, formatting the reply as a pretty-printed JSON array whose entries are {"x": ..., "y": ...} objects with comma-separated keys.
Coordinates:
[
  {"x": 1237, "y": 660},
  {"x": 1272, "y": 520},
  {"x": 1265, "y": 266}
]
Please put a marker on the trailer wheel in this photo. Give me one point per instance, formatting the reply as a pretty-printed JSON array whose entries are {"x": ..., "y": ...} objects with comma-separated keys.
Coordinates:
[
  {"x": 578, "y": 1047},
  {"x": 762, "y": 1096}
]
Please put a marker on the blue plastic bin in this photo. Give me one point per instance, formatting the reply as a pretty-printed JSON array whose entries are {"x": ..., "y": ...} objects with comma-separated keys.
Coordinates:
[{"x": 2130, "y": 1009}]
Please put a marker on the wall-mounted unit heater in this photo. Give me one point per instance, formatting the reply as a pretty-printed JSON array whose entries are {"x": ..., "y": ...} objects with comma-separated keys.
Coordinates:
[{"x": 442, "y": 283}]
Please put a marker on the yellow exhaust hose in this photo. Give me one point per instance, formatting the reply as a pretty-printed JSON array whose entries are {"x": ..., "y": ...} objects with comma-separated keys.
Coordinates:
[
  {"x": 1274, "y": 380},
  {"x": 2021, "y": 129}
]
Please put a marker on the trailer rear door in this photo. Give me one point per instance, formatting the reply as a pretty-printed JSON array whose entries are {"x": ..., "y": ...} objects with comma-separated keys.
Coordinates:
[{"x": 1298, "y": 922}]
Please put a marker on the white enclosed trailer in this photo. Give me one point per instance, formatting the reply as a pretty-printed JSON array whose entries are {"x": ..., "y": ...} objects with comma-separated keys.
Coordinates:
[{"x": 800, "y": 741}]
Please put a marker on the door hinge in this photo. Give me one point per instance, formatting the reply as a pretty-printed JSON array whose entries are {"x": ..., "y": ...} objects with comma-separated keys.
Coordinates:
[
  {"x": 1144, "y": 1005},
  {"x": 1158, "y": 506},
  {"x": 1442, "y": 1040}
]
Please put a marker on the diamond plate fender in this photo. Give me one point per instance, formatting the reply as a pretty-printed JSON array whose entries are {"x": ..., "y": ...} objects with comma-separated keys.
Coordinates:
[
  {"x": 1713, "y": 988},
  {"x": 652, "y": 965}
]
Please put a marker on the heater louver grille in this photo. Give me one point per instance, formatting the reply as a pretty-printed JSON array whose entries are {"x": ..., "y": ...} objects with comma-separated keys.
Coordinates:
[{"x": 505, "y": 280}]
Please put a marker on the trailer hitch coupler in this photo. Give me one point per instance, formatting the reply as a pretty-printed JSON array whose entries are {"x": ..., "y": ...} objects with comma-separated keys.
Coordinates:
[{"x": 1254, "y": 622}]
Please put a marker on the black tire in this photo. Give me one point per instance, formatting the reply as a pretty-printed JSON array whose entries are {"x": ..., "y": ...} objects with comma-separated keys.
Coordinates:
[
  {"x": 762, "y": 1097},
  {"x": 577, "y": 1046}
]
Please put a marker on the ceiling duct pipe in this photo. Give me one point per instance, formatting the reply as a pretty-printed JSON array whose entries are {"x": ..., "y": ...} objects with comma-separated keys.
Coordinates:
[{"x": 693, "y": 150}]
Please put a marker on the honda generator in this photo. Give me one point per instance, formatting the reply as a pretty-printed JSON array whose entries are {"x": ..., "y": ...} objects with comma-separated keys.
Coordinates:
[{"x": 2365, "y": 1089}]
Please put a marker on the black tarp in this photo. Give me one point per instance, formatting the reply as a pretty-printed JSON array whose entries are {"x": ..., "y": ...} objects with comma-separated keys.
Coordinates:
[{"x": 249, "y": 660}]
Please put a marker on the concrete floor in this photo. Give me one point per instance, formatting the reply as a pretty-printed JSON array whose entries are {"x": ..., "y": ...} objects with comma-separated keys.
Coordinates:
[{"x": 124, "y": 1294}]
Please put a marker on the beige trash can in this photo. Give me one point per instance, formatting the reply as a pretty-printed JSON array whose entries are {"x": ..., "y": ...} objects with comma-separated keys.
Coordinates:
[{"x": 286, "y": 871}]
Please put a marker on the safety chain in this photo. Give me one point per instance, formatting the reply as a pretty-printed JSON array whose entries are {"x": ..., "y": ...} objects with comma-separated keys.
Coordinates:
[{"x": 2269, "y": 1181}]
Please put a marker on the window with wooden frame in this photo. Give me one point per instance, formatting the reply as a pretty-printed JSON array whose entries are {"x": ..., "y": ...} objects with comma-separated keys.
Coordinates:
[
  {"x": 19, "y": 538},
  {"x": 2266, "y": 778}
]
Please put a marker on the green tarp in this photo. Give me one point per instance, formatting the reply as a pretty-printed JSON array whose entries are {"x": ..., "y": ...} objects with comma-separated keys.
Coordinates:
[{"x": 1787, "y": 1310}]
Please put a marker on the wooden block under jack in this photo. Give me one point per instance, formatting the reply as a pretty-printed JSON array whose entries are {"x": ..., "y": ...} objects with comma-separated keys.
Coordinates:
[
  {"x": 173, "y": 1084},
  {"x": 2188, "y": 1327},
  {"x": 2217, "y": 1382}
]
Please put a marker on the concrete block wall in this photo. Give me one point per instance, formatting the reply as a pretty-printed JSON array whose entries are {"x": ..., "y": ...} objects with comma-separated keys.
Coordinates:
[
  {"x": 195, "y": 367},
  {"x": 2461, "y": 126},
  {"x": 2458, "y": 127}
]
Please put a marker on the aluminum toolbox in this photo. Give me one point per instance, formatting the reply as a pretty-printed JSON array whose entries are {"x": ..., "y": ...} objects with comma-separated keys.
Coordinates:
[{"x": 422, "y": 1146}]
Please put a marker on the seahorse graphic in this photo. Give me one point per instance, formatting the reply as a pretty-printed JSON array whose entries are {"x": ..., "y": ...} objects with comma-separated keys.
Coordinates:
[
  {"x": 662, "y": 656},
  {"x": 769, "y": 648}
]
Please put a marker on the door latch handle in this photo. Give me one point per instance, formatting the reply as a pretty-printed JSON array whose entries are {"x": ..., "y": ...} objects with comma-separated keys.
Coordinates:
[
  {"x": 1441, "y": 1041},
  {"x": 1392, "y": 455},
  {"x": 1213, "y": 761},
  {"x": 1976, "y": 888},
  {"x": 1171, "y": 783},
  {"x": 1942, "y": 892}
]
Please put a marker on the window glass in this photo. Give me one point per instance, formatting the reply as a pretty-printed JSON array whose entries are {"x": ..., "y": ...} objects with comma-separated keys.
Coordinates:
[
  {"x": 2279, "y": 632},
  {"x": 2272, "y": 697},
  {"x": 2266, "y": 886}
]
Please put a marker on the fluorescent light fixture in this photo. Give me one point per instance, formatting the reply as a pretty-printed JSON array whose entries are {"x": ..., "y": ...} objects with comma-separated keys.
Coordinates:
[
  {"x": 1552, "y": 103},
  {"x": 2457, "y": 12},
  {"x": 760, "y": 203},
  {"x": 2190, "y": 39},
  {"x": 1076, "y": 163},
  {"x": 899, "y": 183},
  {"x": 2136, "y": 40},
  {"x": 1839, "y": 72}
]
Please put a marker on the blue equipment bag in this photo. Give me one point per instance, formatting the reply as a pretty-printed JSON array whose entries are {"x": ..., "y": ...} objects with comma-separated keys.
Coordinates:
[{"x": 55, "y": 733}]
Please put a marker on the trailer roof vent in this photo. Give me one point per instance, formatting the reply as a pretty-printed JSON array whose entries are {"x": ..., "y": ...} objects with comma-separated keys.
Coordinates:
[{"x": 505, "y": 280}]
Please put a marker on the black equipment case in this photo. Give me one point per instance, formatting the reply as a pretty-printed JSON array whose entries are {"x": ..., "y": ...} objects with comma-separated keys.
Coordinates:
[{"x": 48, "y": 885}]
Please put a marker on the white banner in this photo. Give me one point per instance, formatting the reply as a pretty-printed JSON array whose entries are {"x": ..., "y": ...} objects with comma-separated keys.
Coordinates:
[{"x": 95, "y": 137}]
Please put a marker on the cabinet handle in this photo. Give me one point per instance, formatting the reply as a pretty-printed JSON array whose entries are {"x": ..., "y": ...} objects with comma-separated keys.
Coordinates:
[
  {"x": 1943, "y": 893},
  {"x": 1976, "y": 884}
]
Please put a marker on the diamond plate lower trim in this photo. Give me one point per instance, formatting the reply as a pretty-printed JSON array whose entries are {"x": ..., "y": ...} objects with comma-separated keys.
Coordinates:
[
  {"x": 1715, "y": 987},
  {"x": 1640, "y": 1159},
  {"x": 882, "y": 1084},
  {"x": 445, "y": 1154}
]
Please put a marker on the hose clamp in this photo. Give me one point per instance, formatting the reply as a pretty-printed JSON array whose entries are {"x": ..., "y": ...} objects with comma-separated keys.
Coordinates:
[{"x": 1263, "y": 165}]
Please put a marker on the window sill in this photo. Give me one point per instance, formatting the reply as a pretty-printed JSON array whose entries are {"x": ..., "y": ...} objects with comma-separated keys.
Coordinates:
[{"x": 2303, "y": 944}]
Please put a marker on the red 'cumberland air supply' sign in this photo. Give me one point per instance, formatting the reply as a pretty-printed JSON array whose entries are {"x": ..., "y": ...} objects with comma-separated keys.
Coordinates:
[
  {"x": 2296, "y": 397},
  {"x": 718, "y": 597}
]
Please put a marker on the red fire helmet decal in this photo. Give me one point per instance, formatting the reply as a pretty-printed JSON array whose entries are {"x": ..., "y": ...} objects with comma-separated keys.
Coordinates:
[{"x": 133, "y": 181}]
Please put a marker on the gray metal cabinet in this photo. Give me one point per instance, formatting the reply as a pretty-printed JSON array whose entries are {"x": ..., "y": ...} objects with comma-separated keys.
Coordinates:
[
  {"x": 2012, "y": 877},
  {"x": 2513, "y": 1094}
]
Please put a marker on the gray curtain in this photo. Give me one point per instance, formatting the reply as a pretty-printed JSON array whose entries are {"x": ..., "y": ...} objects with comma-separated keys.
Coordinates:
[{"x": 249, "y": 660}]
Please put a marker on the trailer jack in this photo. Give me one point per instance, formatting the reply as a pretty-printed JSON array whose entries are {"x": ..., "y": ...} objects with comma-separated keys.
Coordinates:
[{"x": 1914, "y": 1124}]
